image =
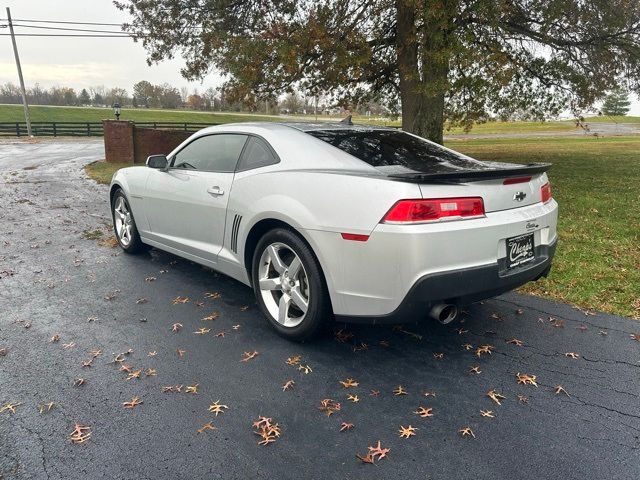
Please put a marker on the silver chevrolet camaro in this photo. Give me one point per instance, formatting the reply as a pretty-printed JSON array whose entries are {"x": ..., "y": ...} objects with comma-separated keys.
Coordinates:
[{"x": 337, "y": 221}]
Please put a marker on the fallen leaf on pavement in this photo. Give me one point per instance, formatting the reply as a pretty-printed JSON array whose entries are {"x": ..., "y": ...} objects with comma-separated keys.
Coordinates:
[
  {"x": 484, "y": 349},
  {"x": 466, "y": 432},
  {"x": 349, "y": 383},
  {"x": 345, "y": 426},
  {"x": 80, "y": 434},
  {"x": 558, "y": 389},
  {"x": 193, "y": 389},
  {"x": 46, "y": 407},
  {"x": 135, "y": 401},
  {"x": 399, "y": 390},
  {"x": 206, "y": 426},
  {"x": 424, "y": 412},
  {"x": 268, "y": 431},
  {"x": 217, "y": 408},
  {"x": 378, "y": 452},
  {"x": 329, "y": 406},
  {"x": 406, "y": 432},
  {"x": 9, "y": 407},
  {"x": 293, "y": 360},
  {"x": 524, "y": 379},
  {"x": 246, "y": 356},
  {"x": 342, "y": 335},
  {"x": 495, "y": 396},
  {"x": 288, "y": 385}
]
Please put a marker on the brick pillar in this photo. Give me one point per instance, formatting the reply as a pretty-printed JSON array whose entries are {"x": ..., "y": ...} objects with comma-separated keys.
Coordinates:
[{"x": 118, "y": 141}]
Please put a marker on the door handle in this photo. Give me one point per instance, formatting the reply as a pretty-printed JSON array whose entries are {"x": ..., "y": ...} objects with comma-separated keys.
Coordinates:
[{"x": 215, "y": 191}]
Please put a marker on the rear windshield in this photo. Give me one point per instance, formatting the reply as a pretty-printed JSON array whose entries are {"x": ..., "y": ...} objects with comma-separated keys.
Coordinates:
[{"x": 397, "y": 152}]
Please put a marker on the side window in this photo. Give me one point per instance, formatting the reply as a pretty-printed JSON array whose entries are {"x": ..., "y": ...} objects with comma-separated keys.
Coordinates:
[
  {"x": 211, "y": 153},
  {"x": 256, "y": 154}
]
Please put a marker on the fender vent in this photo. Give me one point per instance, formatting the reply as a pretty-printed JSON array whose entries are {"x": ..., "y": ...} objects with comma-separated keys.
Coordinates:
[{"x": 234, "y": 233}]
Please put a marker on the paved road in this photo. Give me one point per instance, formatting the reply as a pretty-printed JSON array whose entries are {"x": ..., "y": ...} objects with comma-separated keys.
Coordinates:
[{"x": 55, "y": 282}]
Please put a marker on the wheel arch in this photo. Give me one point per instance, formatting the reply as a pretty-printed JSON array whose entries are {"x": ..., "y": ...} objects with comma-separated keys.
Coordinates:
[
  {"x": 112, "y": 191},
  {"x": 259, "y": 228}
]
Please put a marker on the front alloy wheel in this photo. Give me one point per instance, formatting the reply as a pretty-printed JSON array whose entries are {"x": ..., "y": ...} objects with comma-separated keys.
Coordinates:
[
  {"x": 289, "y": 285},
  {"x": 122, "y": 221},
  {"x": 124, "y": 225}
]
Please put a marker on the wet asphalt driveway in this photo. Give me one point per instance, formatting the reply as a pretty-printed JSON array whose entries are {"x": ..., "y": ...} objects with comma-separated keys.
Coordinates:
[{"x": 54, "y": 282}]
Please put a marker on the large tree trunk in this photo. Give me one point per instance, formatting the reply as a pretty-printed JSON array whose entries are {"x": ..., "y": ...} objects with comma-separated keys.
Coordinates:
[{"x": 422, "y": 80}]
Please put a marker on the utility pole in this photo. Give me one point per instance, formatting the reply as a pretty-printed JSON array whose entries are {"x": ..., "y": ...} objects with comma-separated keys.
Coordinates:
[{"x": 24, "y": 93}]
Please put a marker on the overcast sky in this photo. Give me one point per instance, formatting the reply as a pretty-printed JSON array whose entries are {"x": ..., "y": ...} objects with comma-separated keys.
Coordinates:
[{"x": 83, "y": 62}]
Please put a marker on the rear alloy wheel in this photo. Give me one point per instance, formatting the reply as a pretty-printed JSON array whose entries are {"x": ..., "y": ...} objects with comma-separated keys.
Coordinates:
[
  {"x": 289, "y": 285},
  {"x": 124, "y": 225}
]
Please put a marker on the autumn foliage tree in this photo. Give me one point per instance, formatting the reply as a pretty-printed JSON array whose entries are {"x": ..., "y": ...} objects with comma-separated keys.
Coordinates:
[{"x": 441, "y": 60}]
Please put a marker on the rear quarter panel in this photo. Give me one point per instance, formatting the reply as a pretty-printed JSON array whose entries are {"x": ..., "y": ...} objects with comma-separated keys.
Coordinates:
[{"x": 313, "y": 201}]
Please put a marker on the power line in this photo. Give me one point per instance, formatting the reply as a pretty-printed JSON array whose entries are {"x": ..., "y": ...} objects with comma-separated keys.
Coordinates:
[
  {"x": 66, "y": 29},
  {"x": 68, "y": 35},
  {"x": 66, "y": 22}
]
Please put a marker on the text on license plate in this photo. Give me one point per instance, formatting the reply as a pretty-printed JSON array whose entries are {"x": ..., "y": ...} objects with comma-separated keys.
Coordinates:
[{"x": 520, "y": 250}]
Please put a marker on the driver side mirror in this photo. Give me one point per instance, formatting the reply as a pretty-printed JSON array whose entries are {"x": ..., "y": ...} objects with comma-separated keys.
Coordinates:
[{"x": 158, "y": 161}]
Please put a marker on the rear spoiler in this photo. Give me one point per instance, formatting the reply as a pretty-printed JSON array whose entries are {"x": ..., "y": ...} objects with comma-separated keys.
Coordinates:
[{"x": 463, "y": 176}]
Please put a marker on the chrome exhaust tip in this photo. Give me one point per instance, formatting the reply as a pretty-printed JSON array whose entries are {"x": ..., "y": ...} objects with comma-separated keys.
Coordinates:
[{"x": 444, "y": 313}]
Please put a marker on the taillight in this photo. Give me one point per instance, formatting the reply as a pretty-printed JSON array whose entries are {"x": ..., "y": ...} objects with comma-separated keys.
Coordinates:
[
  {"x": 545, "y": 192},
  {"x": 428, "y": 210}
]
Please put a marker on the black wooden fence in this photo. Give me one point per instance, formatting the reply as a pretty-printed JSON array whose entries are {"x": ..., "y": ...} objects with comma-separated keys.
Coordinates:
[{"x": 86, "y": 129}]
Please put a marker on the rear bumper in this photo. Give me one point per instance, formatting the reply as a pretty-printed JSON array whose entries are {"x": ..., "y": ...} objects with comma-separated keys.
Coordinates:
[{"x": 461, "y": 287}]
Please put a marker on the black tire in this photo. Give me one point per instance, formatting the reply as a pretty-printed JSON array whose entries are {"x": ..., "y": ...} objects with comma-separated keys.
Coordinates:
[
  {"x": 135, "y": 245},
  {"x": 319, "y": 306}
]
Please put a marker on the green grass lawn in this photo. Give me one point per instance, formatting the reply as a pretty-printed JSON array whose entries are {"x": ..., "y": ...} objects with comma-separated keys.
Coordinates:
[
  {"x": 597, "y": 183},
  {"x": 14, "y": 113},
  {"x": 102, "y": 171}
]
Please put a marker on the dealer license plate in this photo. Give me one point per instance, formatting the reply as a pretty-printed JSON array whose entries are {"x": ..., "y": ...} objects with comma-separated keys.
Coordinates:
[{"x": 520, "y": 250}]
